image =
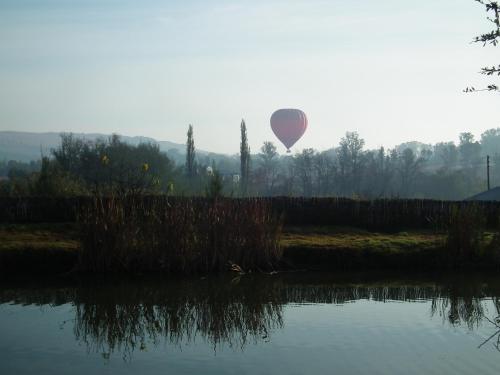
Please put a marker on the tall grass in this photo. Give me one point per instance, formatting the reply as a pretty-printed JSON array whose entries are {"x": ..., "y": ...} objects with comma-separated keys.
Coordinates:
[
  {"x": 177, "y": 235},
  {"x": 465, "y": 234}
]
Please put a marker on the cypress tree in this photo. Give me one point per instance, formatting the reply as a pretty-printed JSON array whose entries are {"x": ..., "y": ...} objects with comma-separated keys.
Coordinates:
[
  {"x": 244, "y": 159},
  {"x": 190, "y": 153}
]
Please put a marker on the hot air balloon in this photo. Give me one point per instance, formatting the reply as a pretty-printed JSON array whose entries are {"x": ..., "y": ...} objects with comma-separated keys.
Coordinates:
[{"x": 289, "y": 125}]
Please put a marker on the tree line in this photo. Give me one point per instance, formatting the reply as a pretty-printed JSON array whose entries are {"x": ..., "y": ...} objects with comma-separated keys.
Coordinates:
[{"x": 445, "y": 170}]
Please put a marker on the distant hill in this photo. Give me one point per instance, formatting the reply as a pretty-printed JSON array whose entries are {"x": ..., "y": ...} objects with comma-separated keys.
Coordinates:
[{"x": 25, "y": 146}]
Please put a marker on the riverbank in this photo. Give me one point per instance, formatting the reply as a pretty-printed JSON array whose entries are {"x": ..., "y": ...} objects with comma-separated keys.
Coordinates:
[
  {"x": 38, "y": 248},
  {"x": 347, "y": 248},
  {"x": 53, "y": 249}
]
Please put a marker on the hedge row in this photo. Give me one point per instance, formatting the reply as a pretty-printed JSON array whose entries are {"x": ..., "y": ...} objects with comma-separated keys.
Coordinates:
[{"x": 383, "y": 214}]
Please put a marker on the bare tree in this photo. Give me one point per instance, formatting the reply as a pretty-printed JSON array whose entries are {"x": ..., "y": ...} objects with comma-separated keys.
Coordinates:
[
  {"x": 492, "y": 38},
  {"x": 409, "y": 168},
  {"x": 303, "y": 167},
  {"x": 350, "y": 162},
  {"x": 268, "y": 166}
]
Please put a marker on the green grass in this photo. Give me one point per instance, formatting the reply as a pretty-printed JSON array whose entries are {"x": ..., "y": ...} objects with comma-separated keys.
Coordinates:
[
  {"x": 48, "y": 249},
  {"x": 38, "y": 236},
  {"x": 347, "y": 238},
  {"x": 334, "y": 248}
]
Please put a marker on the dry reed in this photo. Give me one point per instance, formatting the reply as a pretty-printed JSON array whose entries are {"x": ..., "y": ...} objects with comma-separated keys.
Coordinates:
[{"x": 177, "y": 235}]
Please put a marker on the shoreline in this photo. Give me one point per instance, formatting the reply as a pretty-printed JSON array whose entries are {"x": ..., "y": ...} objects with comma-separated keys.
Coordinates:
[{"x": 52, "y": 250}]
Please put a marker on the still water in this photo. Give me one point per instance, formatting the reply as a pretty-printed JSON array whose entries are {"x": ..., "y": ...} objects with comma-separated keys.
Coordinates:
[{"x": 253, "y": 324}]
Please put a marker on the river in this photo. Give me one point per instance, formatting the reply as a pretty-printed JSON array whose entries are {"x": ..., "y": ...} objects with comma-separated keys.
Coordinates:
[{"x": 292, "y": 323}]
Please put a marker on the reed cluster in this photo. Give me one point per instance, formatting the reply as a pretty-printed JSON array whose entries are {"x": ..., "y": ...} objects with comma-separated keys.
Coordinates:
[
  {"x": 142, "y": 234},
  {"x": 465, "y": 234}
]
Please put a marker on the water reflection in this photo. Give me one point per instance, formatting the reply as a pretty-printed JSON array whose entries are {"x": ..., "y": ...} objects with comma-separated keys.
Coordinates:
[{"x": 124, "y": 316}]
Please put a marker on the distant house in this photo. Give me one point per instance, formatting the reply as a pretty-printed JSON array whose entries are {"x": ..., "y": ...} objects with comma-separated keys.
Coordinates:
[
  {"x": 4, "y": 178},
  {"x": 488, "y": 195},
  {"x": 231, "y": 177}
]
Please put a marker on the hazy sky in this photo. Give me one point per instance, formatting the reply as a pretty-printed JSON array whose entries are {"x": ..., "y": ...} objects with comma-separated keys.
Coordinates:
[{"x": 392, "y": 70}]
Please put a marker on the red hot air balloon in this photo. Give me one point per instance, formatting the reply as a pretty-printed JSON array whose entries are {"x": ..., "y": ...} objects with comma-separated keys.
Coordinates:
[{"x": 289, "y": 125}]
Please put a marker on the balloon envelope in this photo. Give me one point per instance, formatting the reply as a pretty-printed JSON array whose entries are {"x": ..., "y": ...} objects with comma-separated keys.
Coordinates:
[{"x": 289, "y": 125}]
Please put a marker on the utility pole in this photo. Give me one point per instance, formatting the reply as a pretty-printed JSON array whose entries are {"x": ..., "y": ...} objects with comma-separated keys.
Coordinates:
[{"x": 488, "y": 169}]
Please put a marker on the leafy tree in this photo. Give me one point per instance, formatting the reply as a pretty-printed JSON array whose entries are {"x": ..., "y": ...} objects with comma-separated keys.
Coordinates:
[
  {"x": 470, "y": 150},
  {"x": 114, "y": 166},
  {"x": 490, "y": 142}
]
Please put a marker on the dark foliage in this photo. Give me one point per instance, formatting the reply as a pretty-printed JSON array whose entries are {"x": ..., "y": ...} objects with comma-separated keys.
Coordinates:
[{"x": 380, "y": 214}]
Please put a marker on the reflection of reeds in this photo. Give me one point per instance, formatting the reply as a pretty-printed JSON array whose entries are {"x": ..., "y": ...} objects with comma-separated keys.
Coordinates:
[
  {"x": 496, "y": 323},
  {"x": 178, "y": 235},
  {"x": 125, "y": 316},
  {"x": 219, "y": 313},
  {"x": 457, "y": 310},
  {"x": 463, "y": 302}
]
